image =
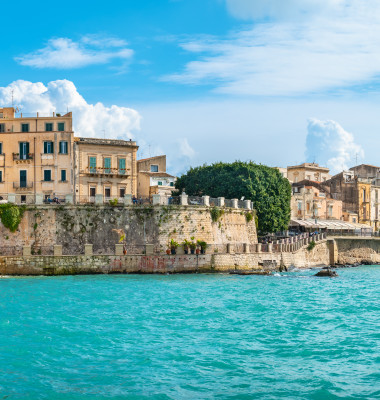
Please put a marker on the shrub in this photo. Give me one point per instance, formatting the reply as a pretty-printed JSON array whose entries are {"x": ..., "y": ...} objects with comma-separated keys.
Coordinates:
[
  {"x": 311, "y": 246},
  {"x": 216, "y": 213},
  {"x": 11, "y": 216},
  {"x": 249, "y": 216}
]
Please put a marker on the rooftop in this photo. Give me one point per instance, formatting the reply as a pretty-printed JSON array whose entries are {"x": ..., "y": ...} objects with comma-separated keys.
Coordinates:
[
  {"x": 157, "y": 174},
  {"x": 310, "y": 166},
  {"x": 105, "y": 142}
]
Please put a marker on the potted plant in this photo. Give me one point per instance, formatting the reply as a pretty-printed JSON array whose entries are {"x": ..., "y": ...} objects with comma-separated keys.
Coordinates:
[
  {"x": 167, "y": 251},
  {"x": 203, "y": 246},
  {"x": 173, "y": 246},
  {"x": 192, "y": 245},
  {"x": 186, "y": 246}
]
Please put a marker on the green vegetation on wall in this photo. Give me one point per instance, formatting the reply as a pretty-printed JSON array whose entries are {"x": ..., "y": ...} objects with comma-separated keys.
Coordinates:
[
  {"x": 268, "y": 190},
  {"x": 11, "y": 215}
]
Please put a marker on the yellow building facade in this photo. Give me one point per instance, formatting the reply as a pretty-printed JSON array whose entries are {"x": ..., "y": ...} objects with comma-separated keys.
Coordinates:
[
  {"x": 104, "y": 169},
  {"x": 36, "y": 156}
]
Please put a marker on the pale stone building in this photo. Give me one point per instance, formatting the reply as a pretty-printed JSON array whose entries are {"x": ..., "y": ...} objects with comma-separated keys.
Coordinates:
[
  {"x": 104, "y": 167},
  {"x": 36, "y": 160},
  {"x": 153, "y": 178},
  {"x": 307, "y": 171},
  {"x": 354, "y": 192},
  {"x": 312, "y": 200}
]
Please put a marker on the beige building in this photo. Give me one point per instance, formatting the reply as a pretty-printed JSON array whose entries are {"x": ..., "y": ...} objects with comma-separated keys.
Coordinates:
[
  {"x": 104, "y": 167},
  {"x": 35, "y": 156},
  {"x": 307, "y": 171},
  {"x": 312, "y": 200},
  {"x": 153, "y": 178}
]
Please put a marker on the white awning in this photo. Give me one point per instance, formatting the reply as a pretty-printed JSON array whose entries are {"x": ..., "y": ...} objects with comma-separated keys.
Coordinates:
[{"x": 329, "y": 224}]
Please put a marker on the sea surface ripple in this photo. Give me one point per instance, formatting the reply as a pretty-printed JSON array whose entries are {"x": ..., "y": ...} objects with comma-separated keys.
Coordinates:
[{"x": 290, "y": 336}]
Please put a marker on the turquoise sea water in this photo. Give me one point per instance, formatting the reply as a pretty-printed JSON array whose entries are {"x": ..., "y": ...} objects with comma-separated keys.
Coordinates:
[{"x": 292, "y": 336}]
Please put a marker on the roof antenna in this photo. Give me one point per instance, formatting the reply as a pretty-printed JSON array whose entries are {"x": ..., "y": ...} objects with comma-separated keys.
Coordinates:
[
  {"x": 12, "y": 97},
  {"x": 104, "y": 133}
]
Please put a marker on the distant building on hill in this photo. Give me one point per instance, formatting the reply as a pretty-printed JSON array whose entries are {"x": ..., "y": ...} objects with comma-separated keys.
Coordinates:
[{"x": 307, "y": 171}]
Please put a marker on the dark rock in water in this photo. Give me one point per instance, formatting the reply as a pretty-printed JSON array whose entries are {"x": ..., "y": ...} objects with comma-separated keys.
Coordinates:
[
  {"x": 366, "y": 262},
  {"x": 326, "y": 272},
  {"x": 258, "y": 272}
]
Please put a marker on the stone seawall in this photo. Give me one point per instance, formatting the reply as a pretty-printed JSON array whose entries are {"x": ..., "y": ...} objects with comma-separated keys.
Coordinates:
[
  {"x": 351, "y": 250},
  {"x": 74, "y": 226},
  {"x": 108, "y": 264}
]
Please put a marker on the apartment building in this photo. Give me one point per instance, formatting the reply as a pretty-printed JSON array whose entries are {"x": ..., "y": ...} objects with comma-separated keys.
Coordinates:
[
  {"x": 153, "y": 178},
  {"x": 104, "y": 167},
  {"x": 36, "y": 155},
  {"x": 306, "y": 171},
  {"x": 311, "y": 200}
]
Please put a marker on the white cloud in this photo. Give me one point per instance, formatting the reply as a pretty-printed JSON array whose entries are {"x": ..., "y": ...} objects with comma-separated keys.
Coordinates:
[
  {"x": 330, "y": 145},
  {"x": 185, "y": 149},
  {"x": 64, "y": 53},
  {"x": 90, "y": 120},
  {"x": 336, "y": 47},
  {"x": 279, "y": 9}
]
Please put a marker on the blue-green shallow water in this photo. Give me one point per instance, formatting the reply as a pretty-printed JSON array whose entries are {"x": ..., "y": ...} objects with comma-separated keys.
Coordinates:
[{"x": 191, "y": 337}]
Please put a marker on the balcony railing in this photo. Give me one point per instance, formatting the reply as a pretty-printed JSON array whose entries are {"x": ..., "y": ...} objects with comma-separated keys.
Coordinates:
[
  {"x": 23, "y": 157},
  {"x": 105, "y": 171},
  {"x": 22, "y": 185}
]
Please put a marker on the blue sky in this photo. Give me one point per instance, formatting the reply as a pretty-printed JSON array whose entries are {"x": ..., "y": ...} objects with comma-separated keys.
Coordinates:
[{"x": 275, "y": 81}]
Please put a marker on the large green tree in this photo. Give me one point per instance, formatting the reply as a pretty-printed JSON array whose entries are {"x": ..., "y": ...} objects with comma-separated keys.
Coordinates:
[{"x": 268, "y": 190}]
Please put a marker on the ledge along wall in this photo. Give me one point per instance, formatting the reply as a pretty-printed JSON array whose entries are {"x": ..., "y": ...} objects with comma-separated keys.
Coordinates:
[
  {"x": 350, "y": 250},
  {"x": 147, "y": 264},
  {"x": 74, "y": 226}
]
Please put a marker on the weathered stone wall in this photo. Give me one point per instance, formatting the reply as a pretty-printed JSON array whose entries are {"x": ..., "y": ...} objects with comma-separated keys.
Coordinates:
[
  {"x": 353, "y": 250},
  {"x": 74, "y": 226},
  {"x": 214, "y": 262}
]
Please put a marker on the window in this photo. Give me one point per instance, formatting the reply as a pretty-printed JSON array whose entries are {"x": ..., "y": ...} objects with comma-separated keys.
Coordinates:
[
  {"x": 63, "y": 175},
  {"x": 354, "y": 220},
  {"x": 2, "y": 127},
  {"x": 299, "y": 205},
  {"x": 23, "y": 198},
  {"x": 107, "y": 165},
  {"x": 1, "y": 149},
  {"x": 171, "y": 183},
  {"x": 307, "y": 207},
  {"x": 1, "y": 176},
  {"x": 61, "y": 126},
  {"x": 23, "y": 178},
  {"x": 122, "y": 192},
  {"x": 47, "y": 175},
  {"x": 24, "y": 150},
  {"x": 159, "y": 183},
  {"x": 330, "y": 211},
  {"x": 107, "y": 192},
  {"x": 92, "y": 191},
  {"x": 49, "y": 127},
  {"x": 92, "y": 163},
  {"x": 24, "y": 127},
  {"x": 1, "y": 115},
  {"x": 63, "y": 147},
  {"x": 154, "y": 168},
  {"x": 48, "y": 148},
  {"x": 121, "y": 166}
]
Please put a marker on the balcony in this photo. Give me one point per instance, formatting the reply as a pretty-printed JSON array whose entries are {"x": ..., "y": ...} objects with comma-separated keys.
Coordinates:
[
  {"x": 22, "y": 185},
  {"x": 24, "y": 159},
  {"x": 115, "y": 172}
]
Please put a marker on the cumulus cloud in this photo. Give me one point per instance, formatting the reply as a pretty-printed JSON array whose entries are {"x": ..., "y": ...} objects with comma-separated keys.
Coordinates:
[
  {"x": 64, "y": 53},
  {"x": 90, "y": 120},
  {"x": 327, "y": 47},
  {"x": 330, "y": 145}
]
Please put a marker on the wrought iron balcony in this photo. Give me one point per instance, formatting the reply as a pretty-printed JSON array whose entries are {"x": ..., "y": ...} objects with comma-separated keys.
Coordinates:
[
  {"x": 105, "y": 171},
  {"x": 23, "y": 157}
]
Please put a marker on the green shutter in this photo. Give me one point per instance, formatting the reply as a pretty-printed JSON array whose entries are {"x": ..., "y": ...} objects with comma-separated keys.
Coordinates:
[
  {"x": 92, "y": 164},
  {"x": 107, "y": 165},
  {"x": 122, "y": 166}
]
